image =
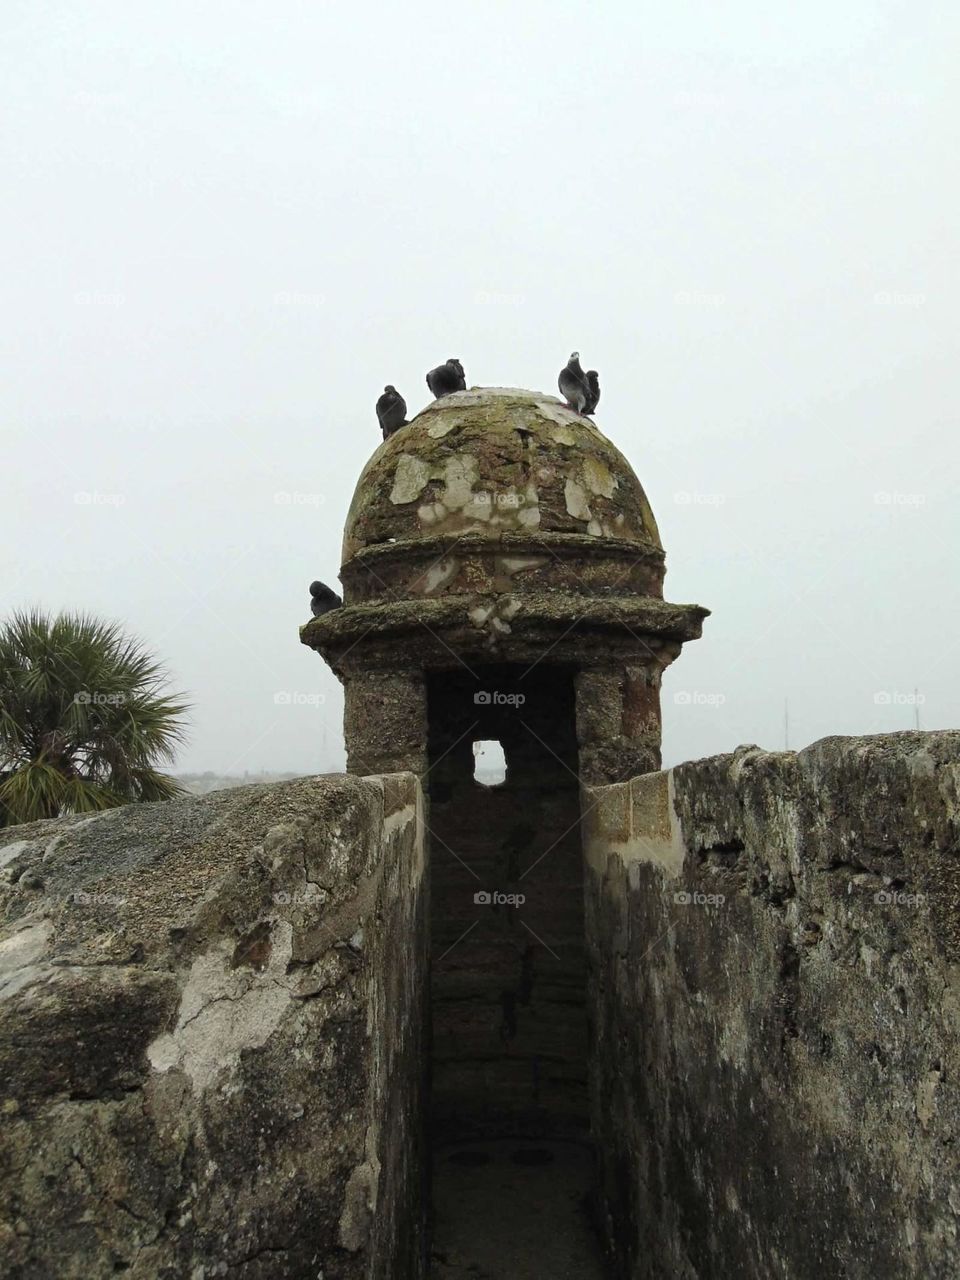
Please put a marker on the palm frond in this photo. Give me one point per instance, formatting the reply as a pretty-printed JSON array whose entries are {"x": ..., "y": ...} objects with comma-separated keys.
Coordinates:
[{"x": 85, "y": 715}]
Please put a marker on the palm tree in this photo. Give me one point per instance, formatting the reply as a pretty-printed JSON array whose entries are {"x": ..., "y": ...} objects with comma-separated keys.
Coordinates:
[{"x": 84, "y": 718}]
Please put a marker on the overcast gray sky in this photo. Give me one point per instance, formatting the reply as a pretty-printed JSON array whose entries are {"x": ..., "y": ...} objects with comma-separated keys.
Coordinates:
[{"x": 227, "y": 225}]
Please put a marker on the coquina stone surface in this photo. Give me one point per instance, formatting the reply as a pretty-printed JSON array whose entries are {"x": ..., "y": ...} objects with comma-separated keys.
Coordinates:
[
  {"x": 774, "y": 943},
  {"x": 500, "y": 528},
  {"x": 211, "y": 1036}
]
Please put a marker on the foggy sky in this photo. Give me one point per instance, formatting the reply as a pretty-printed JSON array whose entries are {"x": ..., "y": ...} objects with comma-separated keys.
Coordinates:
[{"x": 227, "y": 226}]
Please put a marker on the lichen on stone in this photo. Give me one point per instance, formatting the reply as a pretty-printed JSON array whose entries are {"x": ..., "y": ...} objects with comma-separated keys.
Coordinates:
[{"x": 410, "y": 478}]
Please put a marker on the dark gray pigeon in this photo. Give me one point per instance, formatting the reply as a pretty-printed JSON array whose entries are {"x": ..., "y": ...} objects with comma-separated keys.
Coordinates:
[
  {"x": 593, "y": 383},
  {"x": 322, "y": 599},
  {"x": 446, "y": 378},
  {"x": 391, "y": 411},
  {"x": 573, "y": 384}
]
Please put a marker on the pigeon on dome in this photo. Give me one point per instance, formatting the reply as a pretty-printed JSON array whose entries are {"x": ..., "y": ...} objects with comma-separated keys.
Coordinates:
[
  {"x": 391, "y": 411},
  {"x": 573, "y": 384},
  {"x": 447, "y": 378},
  {"x": 593, "y": 382},
  {"x": 323, "y": 599}
]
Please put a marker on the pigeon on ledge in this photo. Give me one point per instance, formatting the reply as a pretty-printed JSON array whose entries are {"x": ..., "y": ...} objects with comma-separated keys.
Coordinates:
[
  {"x": 573, "y": 384},
  {"x": 391, "y": 411},
  {"x": 322, "y": 599},
  {"x": 593, "y": 383},
  {"x": 446, "y": 378}
]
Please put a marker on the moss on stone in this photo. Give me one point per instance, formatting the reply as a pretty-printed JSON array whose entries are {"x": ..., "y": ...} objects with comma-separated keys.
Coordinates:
[{"x": 492, "y": 460}]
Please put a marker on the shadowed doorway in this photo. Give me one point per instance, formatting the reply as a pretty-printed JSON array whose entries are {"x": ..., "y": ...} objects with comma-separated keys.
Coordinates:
[{"x": 508, "y": 1112}]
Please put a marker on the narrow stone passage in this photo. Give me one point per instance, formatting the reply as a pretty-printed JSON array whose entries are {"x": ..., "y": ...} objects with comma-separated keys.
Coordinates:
[
  {"x": 513, "y": 1167},
  {"x": 514, "y": 1210}
]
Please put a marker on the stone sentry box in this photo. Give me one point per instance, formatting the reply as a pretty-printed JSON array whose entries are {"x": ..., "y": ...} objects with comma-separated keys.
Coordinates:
[
  {"x": 501, "y": 527},
  {"x": 503, "y": 578}
]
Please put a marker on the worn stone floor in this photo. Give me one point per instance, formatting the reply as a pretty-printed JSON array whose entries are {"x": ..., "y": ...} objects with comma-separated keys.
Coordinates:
[{"x": 513, "y": 1210}]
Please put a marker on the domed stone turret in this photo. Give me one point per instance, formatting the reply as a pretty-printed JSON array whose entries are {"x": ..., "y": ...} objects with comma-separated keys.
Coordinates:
[
  {"x": 499, "y": 526},
  {"x": 496, "y": 461},
  {"x": 499, "y": 490}
]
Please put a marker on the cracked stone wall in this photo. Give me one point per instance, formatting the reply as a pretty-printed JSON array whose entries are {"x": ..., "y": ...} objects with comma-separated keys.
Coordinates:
[
  {"x": 773, "y": 943},
  {"x": 211, "y": 1036}
]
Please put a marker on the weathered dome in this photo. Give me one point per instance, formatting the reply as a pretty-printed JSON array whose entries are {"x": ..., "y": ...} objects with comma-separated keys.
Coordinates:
[
  {"x": 495, "y": 461},
  {"x": 499, "y": 523}
]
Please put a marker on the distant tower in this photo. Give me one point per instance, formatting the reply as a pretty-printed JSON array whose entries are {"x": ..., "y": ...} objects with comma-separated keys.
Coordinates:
[{"x": 503, "y": 575}]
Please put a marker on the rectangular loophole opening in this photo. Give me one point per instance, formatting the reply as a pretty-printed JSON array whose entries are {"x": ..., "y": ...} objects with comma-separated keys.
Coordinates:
[{"x": 489, "y": 762}]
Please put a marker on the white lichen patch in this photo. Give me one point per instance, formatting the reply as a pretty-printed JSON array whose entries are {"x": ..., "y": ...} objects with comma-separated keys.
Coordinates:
[
  {"x": 480, "y": 506},
  {"x": 599, "y": 479},
  {"x": 19, "y": 953},
  {"x": 563, "y": 435},
  {"x": 431, "y": 512},
  {"x": 495, "y": 617},
  {"x": 10, "y": 851},
  {"x": 460, "y": 474},
  {"x": 561, "y": 414},
  {"x": 479, "y": 614},
  {"x": 576, "y": 499},
  {"x": 224, "y": 1011},
  {"x": 409, "y": 479},
  {"x": 440, "y": 429},
  {"x": 510, "y": 565},
  {"x": 438, "y": 575}
]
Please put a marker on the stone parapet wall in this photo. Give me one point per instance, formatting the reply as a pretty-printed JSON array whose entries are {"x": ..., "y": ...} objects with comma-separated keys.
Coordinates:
[
  {"x": 211, "y": 1036},
  {"x": 773, "y": 944}
]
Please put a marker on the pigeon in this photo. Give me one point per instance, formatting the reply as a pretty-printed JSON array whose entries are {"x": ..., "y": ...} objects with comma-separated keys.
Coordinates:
[
  {"x": 391, "y": 411},
  {"x": 322, "y": 599},
  {"x": 446, "y": 378},
  {"x": 573, "y": 384},
  {"x": 593, "y": 382}
]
